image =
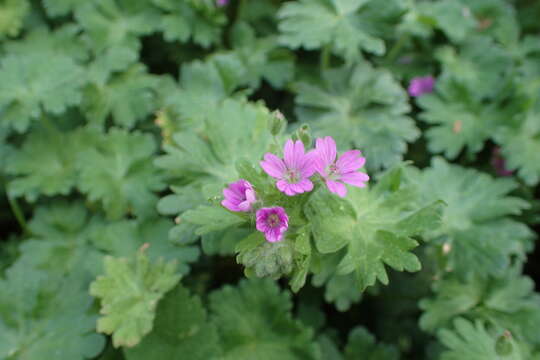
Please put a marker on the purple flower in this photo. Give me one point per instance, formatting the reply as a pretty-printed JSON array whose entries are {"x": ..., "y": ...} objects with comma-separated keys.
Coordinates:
[
  {"x": 239, "y": 196},
  {"x": 273, "y": 222},
  {"x": 222, "y": 2},
  {"x": 294, "y": 171},
  {"x": 344, "y": 170},
  {"x": 498, "y": 163},
  {"x": 421, "y": 85}
]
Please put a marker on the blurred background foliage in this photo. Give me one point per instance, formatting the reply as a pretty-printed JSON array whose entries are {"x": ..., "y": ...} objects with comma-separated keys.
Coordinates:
[{"x": 118, "y": 116}]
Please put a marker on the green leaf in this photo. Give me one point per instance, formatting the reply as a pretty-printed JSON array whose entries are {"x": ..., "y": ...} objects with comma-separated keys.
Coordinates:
[
  {"x": 254, "y": 320},
  {"x": 123, "y": 239},
  {"x": 181, "y": 330},
  {"x": 520, "y": 146},
  {"x": 31, "y": 87},
  {"x": 211, "y": 218},
  {"x": 475, "y": 223},
  {"x": 474, "y": 341},
  {"x": 508, "y": 302},
  {"x": 185, "y": 20},
  {"x": 346, "y": 26},
  {"x": 45, "y": 164},
  {"x": 362, "y": 345},
  {"x": 44, "y": 315},
  {"x": 203, "y": 86},
  {"x": 332, "y": 221},
  {"x": 111, "y": 25},
  {"x": 375, "y": 229},
  {"x": 213, "y": 158},
  {"x": 463, "y": 112},
  {"x": 13, "y": 13},
  {"x": 64, "y": 40},
  {"x": 128, "y": 97},
  {"x": 360, "y": 107},
  {"x": 56, "y": 8},
  {"x": 129, "y": 292},
  {"x": 260, "y": 58},
  {"x": 118, "y": 172},
  {"x": 452, "y": 17},
  {"x": 60, "y": 241}
]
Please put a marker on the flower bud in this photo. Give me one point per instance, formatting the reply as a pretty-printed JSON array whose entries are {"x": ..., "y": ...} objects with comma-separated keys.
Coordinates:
[
  {"x": 303, "y": 133},
  {"x": 503, "y": 345},
  {"x": 278, "y": 123}
]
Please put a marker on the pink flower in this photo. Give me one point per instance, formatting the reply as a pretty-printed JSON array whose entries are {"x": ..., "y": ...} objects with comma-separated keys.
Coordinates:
[
  {"x": 239, "y": 196},
  {"x": 294, "y": 171},
  {"x": 222, "y": 2},
  {"x": 499, "y": 163},
  {"x": 273, "y": 222},
  {"x": 344, "y": 170},
  {"x": 421, "y": 85}
]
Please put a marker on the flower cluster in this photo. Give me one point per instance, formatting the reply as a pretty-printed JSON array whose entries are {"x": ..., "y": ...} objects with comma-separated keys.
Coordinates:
[{"x": 294, "y": 175}]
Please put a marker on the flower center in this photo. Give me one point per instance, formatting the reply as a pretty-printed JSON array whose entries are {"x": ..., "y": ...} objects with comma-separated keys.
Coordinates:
[
  {"x": 333, "y": 172},
  {"x": 272, "y": 220},
  {"x": 292, "y": 176},
  {"x": 332, "y": 168}
]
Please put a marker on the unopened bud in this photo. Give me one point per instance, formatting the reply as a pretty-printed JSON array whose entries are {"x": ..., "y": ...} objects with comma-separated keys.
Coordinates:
[
  {"x": 278, "y": 123},
  {"x": 503, "y": 345},
  {"x": 304, "y": 134}
]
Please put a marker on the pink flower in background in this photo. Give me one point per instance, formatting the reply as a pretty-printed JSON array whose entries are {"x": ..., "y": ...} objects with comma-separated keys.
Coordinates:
[
  {"x": 222, "y": 2},
  {"x": 421, "y": 85},
  {"x": 239, "y": 196},
  {"x": 344, "y": 170},
  {"x": 273, "y": 222},
  {"x": 498, "y": 163},
  {"x": 293, "y": 171}
]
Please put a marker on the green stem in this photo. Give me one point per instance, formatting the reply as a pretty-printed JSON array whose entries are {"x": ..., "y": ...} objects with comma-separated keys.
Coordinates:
[
  {"x": 396, "y": 48},
  {"x": 240, "y": 9},
  {"x": 325, "y": 57},
  {"x": 17, "y": 212}
]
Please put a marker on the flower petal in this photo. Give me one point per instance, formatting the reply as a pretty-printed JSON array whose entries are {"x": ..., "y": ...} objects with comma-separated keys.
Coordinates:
[
  {"x": 355, "y": 178},
  {"x": 285, "y": 187},
  {"x": 305, "y": 185},
  {"x": 326, "y": 147},
  {"x": 232, "y": 195},
  {"x": 230, "y": 205},
  {"x": 307, "y": 165},
  {"x": 351, "y": 160},
  {"x": 273, "y": 166},
  {"x": 336, "y": 188},
  {"x": 288, "y": 154},
  {"x": 299, "y": 154}
]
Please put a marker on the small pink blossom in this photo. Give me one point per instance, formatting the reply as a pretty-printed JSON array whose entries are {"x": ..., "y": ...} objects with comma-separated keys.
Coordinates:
[
  {"x": 273, "y": 222},
  {"x": 344, "y": 170},
  {"x": 421, "y": 85},
  {"x": 239, "y": 196},
  {"x": 293, "y": 171},
  {"x": 221, "y": 3},
  {"x": 499, "y": 163}
]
